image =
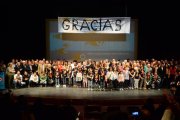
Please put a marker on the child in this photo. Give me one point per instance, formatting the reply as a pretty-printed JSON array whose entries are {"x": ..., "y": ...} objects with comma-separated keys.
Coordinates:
[
  {"x": 121, "y": 80},
  {"x": 85, "y": 80},
  {"x": 90, "y": 78},
  {"x": 57, "y": 78},
  {"x": 79, "y": 78}
]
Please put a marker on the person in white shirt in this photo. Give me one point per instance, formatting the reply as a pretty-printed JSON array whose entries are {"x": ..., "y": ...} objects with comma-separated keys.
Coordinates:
[
  {"x": 79, "y": 78},
  {"x": 17, "y": 80},
  {"x": 34, "y": 80}
]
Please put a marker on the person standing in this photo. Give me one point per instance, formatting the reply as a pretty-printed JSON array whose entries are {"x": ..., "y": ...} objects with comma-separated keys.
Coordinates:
[
  {"x": 131, "y": 78},
  {"x": 90, "y": 78},
  {"x": 121, "y": 80},
  {"x": 161, "y": 71},
  {"x": 57, "y": 79},
  {"x": 126, "y": 78},
  {"x": 102, "y": 79},
  {"x": 10, "y": 71},
  {"x": 136, "y": 79},
  {"x": 142, "y": 79}
]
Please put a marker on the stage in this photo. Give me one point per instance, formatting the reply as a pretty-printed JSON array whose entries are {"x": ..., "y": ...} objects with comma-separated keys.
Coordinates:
[
  {"x": 81, "y": 96},
  {"x": 84, "y": 100}
]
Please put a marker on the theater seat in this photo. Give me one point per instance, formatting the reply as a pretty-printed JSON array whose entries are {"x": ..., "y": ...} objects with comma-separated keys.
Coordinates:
[
  {"x": 113, "y": 108},
  {"x": 92, "y": 112}
]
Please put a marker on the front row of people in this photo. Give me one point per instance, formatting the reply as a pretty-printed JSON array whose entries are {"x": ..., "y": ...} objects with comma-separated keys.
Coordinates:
[{"x": 91, "y": 80}]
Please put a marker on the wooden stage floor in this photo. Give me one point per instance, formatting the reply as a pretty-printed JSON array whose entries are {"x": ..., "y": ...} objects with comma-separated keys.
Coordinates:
[{"x": 80, "y": 96}]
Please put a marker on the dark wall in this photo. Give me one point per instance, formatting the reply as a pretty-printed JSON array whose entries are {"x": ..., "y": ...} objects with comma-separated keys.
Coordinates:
[{"x": 158, "y": 25}]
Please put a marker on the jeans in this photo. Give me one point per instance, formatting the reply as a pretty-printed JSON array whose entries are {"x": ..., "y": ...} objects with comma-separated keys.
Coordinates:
[
  {"x": 102, "y": 84},
  {"x": 90, "y": 84},
  {"x": 57, "y": 81}
]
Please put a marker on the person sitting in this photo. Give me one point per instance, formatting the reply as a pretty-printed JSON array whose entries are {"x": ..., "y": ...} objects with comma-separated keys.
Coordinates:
[
  {"x": 26, "y": 78},
  {"x": 34, "y": 80},
  {"x": 43, "y": 79},
  {"x": 177, "y": 92},
  {"x": 50, "y": 80},
  {"x": 18, "y": 80},
  {"x": 148, "y": 80}
]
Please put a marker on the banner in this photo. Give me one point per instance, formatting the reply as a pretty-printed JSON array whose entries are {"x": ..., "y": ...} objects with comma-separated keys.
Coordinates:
[
  {"x": 2, "y": 80},
  {"x": 94, "y": 25}
]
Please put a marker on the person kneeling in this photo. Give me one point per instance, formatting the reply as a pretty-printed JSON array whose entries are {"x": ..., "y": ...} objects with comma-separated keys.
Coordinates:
[
  {"x": 34, "y": 80},
  {"x": 43, "y": 79},
  {"x": 17, "y": 80}
]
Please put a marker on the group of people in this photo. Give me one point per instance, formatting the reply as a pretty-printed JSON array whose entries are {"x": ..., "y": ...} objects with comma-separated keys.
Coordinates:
[{"x": 94, "y": 75}]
